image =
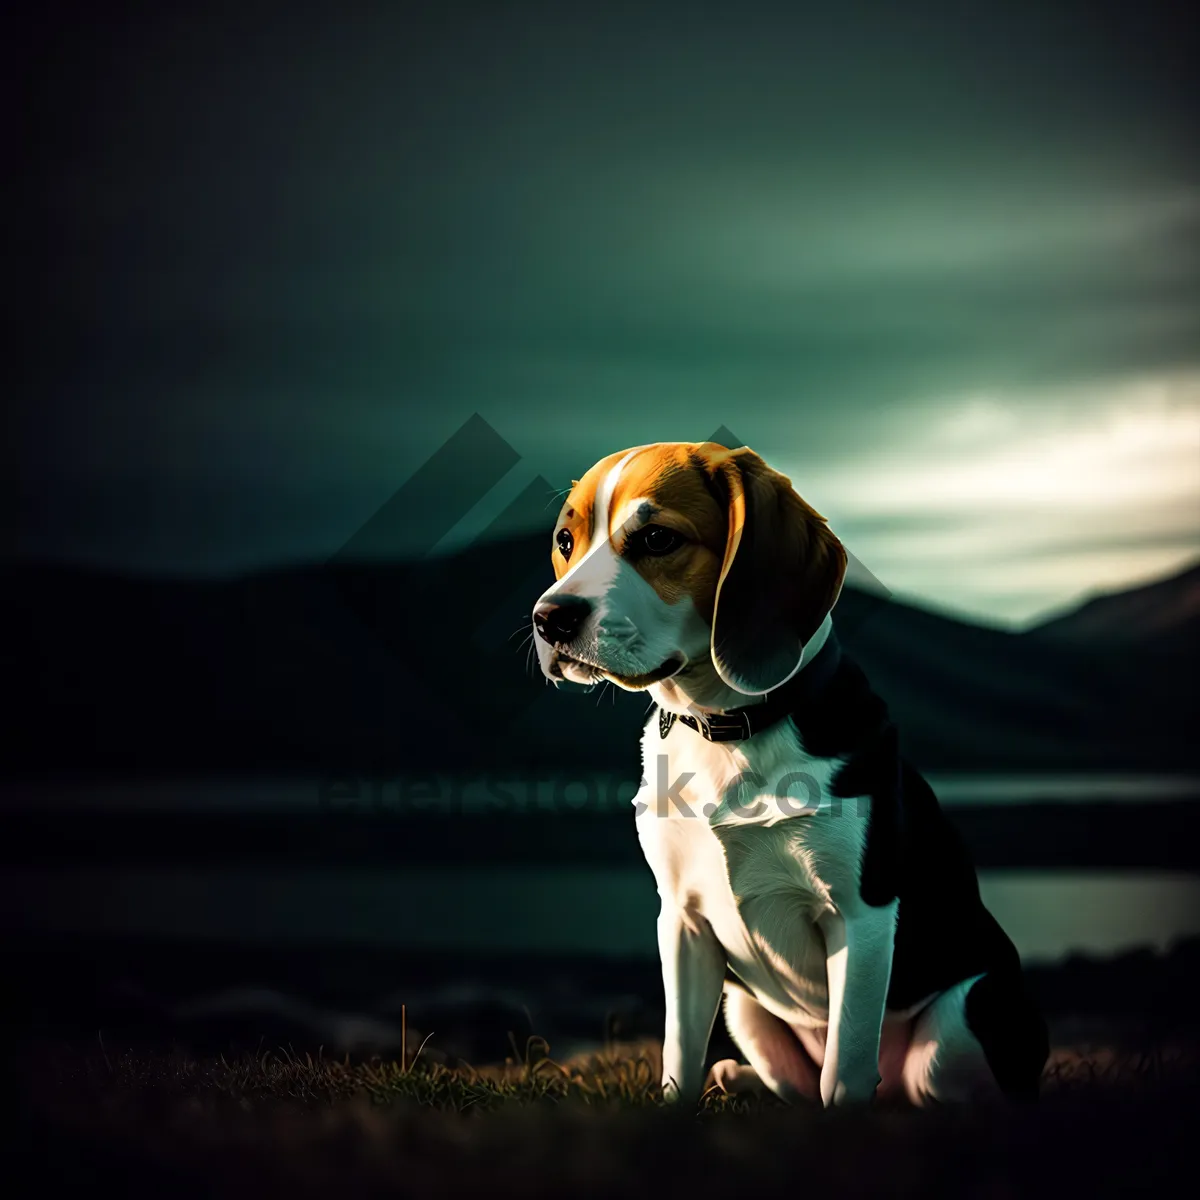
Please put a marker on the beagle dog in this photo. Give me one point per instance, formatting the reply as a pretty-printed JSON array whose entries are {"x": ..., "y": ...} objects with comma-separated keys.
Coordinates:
[{"x": 805, "y": 870}]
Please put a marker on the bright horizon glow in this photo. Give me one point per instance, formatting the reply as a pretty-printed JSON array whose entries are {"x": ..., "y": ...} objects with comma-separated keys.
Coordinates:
[{"x": 1005, "y": 511}]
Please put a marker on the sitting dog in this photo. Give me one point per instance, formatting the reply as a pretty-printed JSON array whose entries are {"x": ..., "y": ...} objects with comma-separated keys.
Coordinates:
[{"x": 805, "y": 869}]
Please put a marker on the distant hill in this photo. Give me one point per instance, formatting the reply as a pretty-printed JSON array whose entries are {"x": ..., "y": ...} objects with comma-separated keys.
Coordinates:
[
  {"x": 1166, "y": 612},
  {"x": 364, "y": 668}
]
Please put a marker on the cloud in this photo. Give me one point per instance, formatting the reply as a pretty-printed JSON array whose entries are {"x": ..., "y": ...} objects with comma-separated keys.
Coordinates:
[
  {"x": 946, "y": 267},
  {"x": 1004, "y": 510}
]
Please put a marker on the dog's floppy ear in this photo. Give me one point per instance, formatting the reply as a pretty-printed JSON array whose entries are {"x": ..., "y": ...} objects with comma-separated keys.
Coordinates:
[{"x": 782, "y": 573}]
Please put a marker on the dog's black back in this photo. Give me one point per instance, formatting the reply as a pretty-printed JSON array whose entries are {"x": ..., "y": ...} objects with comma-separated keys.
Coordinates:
[{"x": 913, "y": 852}]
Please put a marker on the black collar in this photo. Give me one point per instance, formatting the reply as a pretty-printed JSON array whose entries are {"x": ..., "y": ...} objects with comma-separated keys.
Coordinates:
[{"x": 737, "y": 724}]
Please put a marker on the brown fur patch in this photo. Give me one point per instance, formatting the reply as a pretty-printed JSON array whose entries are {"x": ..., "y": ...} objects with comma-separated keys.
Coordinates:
[
  {"x": 683, "y": 481},
  {"x": 577, "y": 512},
  {"x": 672, "y": 477},
  {"x": 696, "y": 489}
]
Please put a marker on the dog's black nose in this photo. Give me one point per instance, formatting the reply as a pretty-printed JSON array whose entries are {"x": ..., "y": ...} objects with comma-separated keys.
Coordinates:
[{"x": 558, "y": 621}]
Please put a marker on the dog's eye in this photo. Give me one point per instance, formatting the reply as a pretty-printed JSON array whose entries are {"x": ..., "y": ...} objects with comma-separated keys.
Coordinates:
[
  {"x": 566, "y": 543},
  {"x": 657, "y": 540}
]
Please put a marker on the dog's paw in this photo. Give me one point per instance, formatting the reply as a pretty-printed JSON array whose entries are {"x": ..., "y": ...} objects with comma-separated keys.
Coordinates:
[
  {"x": 681, "y": 1095},
  {"x": 735, "y": 1078},
  {"x": 851, "y": 1093}
]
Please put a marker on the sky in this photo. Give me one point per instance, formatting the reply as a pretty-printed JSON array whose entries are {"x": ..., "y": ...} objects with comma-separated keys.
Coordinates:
[{"x": 938, "y": 263}]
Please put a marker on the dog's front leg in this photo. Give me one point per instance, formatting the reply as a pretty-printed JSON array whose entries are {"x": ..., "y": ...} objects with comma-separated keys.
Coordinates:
[
  {"x": 693, "y": 968},
  {"x": 859, "y": 966}
]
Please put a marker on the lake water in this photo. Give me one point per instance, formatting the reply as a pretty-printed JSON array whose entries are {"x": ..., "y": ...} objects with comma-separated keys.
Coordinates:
[{"x": 547, "y": 908}]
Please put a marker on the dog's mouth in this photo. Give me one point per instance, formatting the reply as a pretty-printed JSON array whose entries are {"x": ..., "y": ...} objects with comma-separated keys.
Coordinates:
[
  {"x": 590, "y": 673},
  {"x": 672, "y": 666},
  {"x": 568, "y": 673}
]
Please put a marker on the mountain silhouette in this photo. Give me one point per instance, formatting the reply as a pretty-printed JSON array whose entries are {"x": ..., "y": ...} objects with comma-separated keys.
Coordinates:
[
  {"x": 419, "y": 667},
  {"x": 1164, "y": 613}
]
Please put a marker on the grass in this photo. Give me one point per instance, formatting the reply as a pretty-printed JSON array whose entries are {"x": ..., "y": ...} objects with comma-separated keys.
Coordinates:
[
  {"x": 304, "y": 1124},
  {"x": 622, "y": 1076}
]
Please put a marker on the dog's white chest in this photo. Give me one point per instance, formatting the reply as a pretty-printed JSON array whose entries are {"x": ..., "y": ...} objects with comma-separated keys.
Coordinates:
[{"x": 748, "y": 836}]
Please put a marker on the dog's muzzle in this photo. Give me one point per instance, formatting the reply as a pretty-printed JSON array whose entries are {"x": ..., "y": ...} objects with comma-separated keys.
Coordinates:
[{"x": 559, "y": 621}]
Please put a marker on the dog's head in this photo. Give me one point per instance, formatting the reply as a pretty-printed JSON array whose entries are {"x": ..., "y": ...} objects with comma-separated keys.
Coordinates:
[{"x": 684, "y": 559}]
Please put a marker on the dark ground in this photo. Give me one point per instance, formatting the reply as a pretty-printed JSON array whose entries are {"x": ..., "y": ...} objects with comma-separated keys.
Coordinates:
[
  {"x": 96, "y": 1117},
  {"x": 134, "y": 1077}
]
